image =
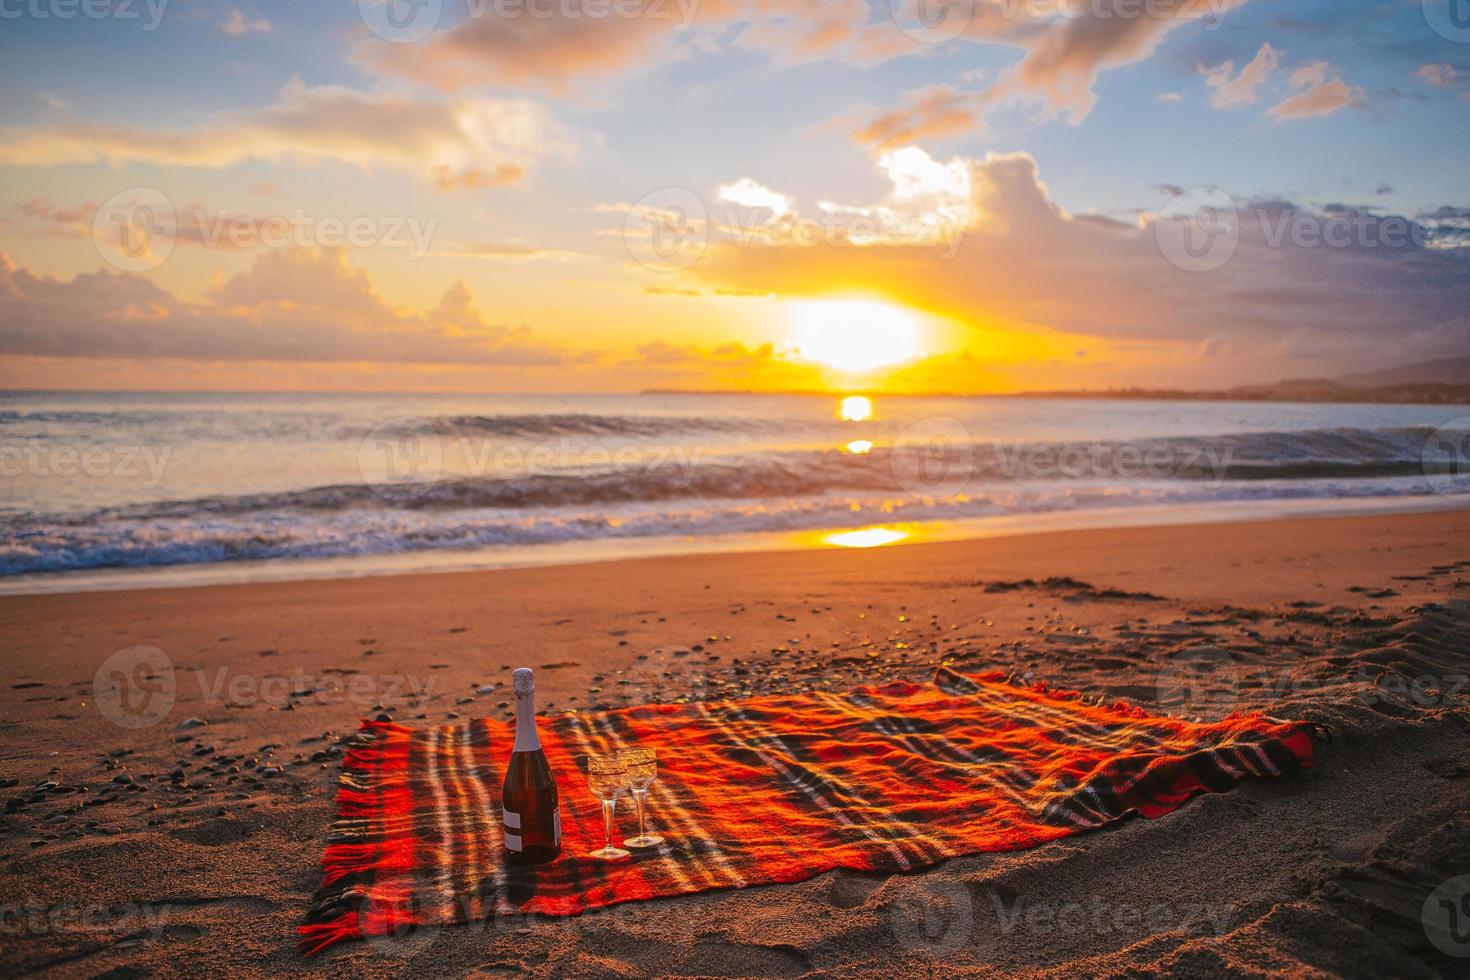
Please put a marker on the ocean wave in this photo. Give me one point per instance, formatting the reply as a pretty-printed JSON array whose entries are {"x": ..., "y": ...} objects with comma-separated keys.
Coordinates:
[
  {"x": 573, "y": 425},
  {"x": 918, "y": 477},
  {"x": 920, "y": 466},
  {"x": 296, "y": 535}
]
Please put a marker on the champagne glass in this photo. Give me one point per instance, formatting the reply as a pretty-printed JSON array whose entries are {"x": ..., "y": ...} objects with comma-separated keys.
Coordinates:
[
  {"x": 607, "y": 778},
  {"x": 642, "y": 767}
]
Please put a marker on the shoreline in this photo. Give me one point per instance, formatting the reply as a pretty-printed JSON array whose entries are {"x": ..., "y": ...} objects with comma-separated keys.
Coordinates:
[{"x": 596, "y": 551}]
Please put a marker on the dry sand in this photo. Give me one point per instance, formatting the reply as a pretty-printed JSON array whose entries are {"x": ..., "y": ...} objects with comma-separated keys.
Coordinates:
[{"x": 181, "y": 848}]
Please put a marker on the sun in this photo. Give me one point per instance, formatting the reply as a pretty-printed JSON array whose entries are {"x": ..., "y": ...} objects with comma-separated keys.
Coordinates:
[
  {"x": 855, "y": 335},
  {"x": 855, "y": 408}
]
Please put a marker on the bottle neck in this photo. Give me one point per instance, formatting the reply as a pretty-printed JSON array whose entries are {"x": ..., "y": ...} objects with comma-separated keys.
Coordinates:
[{"x": 526, "y": 738}]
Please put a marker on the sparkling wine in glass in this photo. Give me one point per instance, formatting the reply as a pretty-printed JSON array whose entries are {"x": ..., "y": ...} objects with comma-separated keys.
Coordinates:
[
  {"x": 607, "y": 778},
  {"x": 642, "y": 766}
]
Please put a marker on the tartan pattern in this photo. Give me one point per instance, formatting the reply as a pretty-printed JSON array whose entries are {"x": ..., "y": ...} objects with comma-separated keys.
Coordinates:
[{"x": 774, "y": 789}]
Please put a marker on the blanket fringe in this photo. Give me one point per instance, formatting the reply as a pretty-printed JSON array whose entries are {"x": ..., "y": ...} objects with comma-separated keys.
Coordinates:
[
  {"x": 351, "y": 862},
  {"x": 317, "y": 936}
]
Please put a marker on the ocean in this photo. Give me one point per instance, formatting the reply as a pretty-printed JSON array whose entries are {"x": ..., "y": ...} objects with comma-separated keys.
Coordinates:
[{"x": 110, "y": 490}]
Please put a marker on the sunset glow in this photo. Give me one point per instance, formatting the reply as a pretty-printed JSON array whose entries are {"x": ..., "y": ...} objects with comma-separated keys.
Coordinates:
[
  {"x": 855, "y": 336},
  {"x": 449, "y": 201}
]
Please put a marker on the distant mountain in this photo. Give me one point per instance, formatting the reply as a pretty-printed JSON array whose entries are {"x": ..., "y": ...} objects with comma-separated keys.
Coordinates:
[
  {"x": 1441, "y": 371},
  {"x": 1445, "y": 381}
]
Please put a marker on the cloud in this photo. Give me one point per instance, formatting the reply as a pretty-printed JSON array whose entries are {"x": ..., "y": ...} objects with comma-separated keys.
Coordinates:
[
  {"x": 730, "y": 366},
  {"x": 508, "y": 251},
  {"x": 929, "y": 203},
  {"x": 576, "y": 40},
  {"x": 934, "y": 112},
  {"x": 469, "y": 143},
  {"x": 1063, "y": 58},
  {"x": 1027, "y": 265},
  {"x": 1439, "y": 75},
  {"x": 520, "y": 51},
  {"x": 1320, "y": 95},
  {"x": 664, "y": 352},
  {"x": 238, "y": 23},
  {"x": 557, "y": 45},
  {"x": 1243, "y": 89},
  {"x": 750, "y": 194},
  {"x": 296, "y": 305},
  {"x": 55, "y": 219}
]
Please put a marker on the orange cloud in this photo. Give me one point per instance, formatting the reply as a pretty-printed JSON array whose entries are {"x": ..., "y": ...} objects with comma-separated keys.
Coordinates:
[
  {"x": 300, "y": 305},
  {"x": 478, "y": 142},
  {"x": 937, "y": 111},
  {"x": 1229, "y": 92},
  {"x": 520, "y": 50},
  {"x": 559, "y": 44},
  {"x": 1440, "y": 74},
  {"x": 1321, "y": 95}
]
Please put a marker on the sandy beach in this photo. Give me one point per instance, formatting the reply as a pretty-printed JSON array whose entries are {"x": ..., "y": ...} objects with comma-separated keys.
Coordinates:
[{"x": 182, "y": 833}]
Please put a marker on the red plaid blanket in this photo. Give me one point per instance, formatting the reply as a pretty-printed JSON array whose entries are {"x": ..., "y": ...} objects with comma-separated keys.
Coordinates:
[{"x": 767, "y": 790}]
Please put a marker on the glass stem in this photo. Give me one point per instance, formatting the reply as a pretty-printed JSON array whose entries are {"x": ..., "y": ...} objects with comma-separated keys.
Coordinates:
[
  {"x": 639, "y": 797},
  {"x": 607, "y": 821}
]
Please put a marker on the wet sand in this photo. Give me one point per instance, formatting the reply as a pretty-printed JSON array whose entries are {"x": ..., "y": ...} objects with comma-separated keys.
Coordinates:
[{"x": 179, "y": 831}]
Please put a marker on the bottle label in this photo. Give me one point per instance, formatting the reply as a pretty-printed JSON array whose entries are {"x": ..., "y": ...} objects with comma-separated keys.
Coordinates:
[{"x": 512, "y": 821}]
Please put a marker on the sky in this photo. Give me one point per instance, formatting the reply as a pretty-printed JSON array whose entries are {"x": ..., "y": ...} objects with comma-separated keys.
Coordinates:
[{"x": 612, "y": 195}]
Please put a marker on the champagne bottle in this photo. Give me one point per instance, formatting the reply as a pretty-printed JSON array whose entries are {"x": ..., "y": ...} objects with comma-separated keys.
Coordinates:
[{"x": 530, "y": 814}]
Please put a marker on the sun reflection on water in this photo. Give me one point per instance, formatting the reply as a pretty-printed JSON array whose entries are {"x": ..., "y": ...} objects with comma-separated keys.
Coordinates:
[
  {"x": 859, "y": 446},
  {"x": 867, "y": 537}
]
